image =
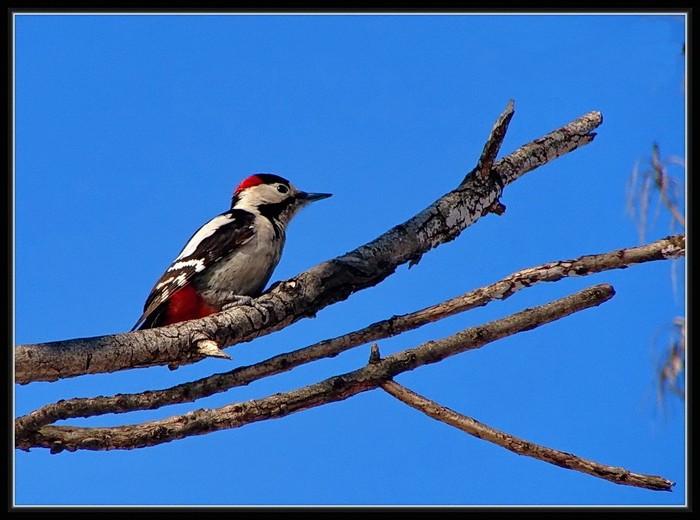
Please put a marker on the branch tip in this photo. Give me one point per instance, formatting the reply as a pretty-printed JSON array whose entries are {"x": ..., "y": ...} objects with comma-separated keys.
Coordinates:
[
  {"x": 374, "y": 356},
  {"x": 493, "y": 144},
  {"x": 210, "y": 348},
  {"x": 523, "y": 447}
]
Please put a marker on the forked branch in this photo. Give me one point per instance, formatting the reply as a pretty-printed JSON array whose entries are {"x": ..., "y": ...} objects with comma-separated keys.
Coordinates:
[
  {"x": 320, "y": 286},
  {"x": 671, "y": 247},
  {"x": 337, "y": 388},
  {"x": 304, "y": 295}
]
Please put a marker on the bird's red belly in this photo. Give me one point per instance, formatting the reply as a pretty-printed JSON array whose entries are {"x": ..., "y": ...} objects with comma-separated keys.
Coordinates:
[{"x": 186, "y": 304}]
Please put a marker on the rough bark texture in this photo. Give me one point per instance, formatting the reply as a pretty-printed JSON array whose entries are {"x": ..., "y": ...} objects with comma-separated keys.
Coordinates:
[
  {"x": 323, "y": 285},
  {"x": 671, "y": 247},
  {"x": 198, "y": 422},
  {"x": 309, "y": 292}
]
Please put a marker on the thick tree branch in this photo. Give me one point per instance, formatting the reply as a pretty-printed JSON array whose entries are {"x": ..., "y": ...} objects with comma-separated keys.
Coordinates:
[
  {"x": 522, "y": 447},
  {"x": 671, "y": 247},
  {"x": 311, "y": 291},
  {"x": 198, "y": 422}
]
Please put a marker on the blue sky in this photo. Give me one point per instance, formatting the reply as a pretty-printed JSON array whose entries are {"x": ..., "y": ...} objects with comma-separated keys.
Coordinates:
[{"x": 132, "y": 130}]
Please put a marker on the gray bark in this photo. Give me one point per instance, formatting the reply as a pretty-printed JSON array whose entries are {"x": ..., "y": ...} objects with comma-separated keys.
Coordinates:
[{"x": 325, "y": 284}]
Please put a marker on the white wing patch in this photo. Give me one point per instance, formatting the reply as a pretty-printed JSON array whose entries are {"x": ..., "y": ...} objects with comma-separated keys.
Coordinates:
[
  {"x": 197, "y": 263},
  {"x": 205, "y": 231},
  {"x": 171, "y": 285},
  {"x": 210, "y": 244}
]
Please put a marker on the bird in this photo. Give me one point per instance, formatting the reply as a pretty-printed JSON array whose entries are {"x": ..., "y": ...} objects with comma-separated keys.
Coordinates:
[{"x": 229, "y": 260}]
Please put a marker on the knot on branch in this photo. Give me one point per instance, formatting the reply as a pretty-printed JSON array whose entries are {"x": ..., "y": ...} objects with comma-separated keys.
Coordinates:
[{"x": 497, "y": 208}]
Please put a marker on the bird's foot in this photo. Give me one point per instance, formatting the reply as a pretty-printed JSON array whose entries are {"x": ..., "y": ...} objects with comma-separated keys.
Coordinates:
[
  {"x": 237, "y": 301},
  {"x": 240, "y": 300}
]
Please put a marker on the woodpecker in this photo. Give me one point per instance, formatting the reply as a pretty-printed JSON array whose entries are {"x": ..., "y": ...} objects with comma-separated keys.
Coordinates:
[{"x": 230, "y": 258}]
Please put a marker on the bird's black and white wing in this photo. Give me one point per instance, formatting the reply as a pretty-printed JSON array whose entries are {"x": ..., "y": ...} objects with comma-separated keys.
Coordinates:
[{"x": 209, "y": 244}]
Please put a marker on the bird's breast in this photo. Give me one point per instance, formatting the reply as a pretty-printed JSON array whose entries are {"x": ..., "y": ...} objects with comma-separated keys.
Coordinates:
[{"x": 245, "y": 270}]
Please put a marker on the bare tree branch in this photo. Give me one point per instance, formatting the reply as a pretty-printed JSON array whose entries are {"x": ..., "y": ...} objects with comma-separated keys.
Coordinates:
[
  {"x": 670, "y": 247},
  {"x": 198, "y": 422},
  {"x": 477, "y": 195},
  {"x": 671, "y": 368},
  {"x": 654, "y": 179},
  {"x": 493, "y": 143},
  {"x": 522, "y": 447},
  {"x": 311, "y": 291}
]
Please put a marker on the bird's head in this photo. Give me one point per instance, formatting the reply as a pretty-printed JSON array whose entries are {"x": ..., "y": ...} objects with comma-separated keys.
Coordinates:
[{"x": 272, "y": 195}]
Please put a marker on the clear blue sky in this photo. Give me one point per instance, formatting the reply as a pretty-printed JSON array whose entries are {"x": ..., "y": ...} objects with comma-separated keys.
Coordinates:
[{"x": 132, "y": 131}]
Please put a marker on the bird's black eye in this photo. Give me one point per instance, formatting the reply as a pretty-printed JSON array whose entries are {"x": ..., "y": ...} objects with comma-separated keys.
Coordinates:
[{"x": 282, "y": 188}]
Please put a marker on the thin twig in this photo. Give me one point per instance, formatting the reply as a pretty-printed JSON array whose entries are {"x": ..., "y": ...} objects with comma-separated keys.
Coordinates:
[
  {"x": 522, "y": 447},
  {"x": 663, "y": 182}
]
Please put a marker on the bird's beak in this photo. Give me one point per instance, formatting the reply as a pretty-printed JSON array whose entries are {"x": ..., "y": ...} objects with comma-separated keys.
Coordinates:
[{"x": 311, "y": 197}]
